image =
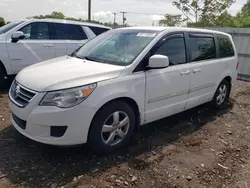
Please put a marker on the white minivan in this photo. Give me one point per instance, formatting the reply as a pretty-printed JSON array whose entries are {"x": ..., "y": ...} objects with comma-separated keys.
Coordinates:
[
  {"x": 120, "y": 80},
  {"x": 25, "y": 42}
]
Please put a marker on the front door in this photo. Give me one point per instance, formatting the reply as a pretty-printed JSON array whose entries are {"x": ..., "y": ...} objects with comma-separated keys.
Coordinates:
[
  {"x": 36, "y": 46},
  {"x": 167, "y": 89}
]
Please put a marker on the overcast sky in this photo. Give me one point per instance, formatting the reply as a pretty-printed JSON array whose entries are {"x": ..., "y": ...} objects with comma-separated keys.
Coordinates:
[{"x": 102, "y": 9}]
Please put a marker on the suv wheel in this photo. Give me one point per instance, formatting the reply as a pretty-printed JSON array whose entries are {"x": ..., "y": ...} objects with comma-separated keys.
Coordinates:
[
  {"x": 222, "y": 94},
  {"x": 112, "y": 127}
]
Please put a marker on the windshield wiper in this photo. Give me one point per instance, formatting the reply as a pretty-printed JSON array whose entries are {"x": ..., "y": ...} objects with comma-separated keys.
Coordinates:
[{"x": 91, "y": 59}]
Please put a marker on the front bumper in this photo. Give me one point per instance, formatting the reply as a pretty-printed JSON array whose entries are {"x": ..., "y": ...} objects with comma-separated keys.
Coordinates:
[{"x": 37, "y": 123}]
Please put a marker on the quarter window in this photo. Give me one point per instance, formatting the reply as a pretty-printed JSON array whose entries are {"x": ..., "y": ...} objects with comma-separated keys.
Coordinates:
[
  {"x": 36, "y": 31},
  {"x": 75, "y": 32},
  {"x": 98, "y": 30},
  {"x": 225, "y": 46},
  {"x": 174, "y": 48},
  {"x": 202, "y": 48}
]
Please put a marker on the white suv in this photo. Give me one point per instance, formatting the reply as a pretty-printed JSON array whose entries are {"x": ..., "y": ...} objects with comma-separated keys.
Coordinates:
[
  {"x": 120, "y": 80},
  {"x": 26, "y": 42}
]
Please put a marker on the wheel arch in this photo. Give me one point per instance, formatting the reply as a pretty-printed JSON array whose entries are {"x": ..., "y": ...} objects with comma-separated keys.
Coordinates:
[
  {"x": 131, "y": 102},
  {"x": 3, "y": 68}
]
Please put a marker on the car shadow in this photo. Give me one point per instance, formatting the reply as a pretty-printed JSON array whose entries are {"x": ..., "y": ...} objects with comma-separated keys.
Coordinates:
[
  {"x": 37, "y": 165},
  {"x": 7, "y": 85}
]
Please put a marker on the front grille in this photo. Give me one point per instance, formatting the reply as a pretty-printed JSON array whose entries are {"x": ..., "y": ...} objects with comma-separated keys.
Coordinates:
[
  {"x": 21, "y": 123},
  {"x": 20, "y": 95}
]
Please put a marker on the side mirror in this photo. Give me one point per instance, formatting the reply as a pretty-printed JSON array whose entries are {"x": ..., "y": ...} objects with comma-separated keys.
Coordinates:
[
  {"x": 158, "y": 62},
  {"x": 18, "y": 35}
]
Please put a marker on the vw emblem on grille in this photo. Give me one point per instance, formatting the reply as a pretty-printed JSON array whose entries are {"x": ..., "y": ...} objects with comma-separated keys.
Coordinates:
[{"x": 16, "y": 91}]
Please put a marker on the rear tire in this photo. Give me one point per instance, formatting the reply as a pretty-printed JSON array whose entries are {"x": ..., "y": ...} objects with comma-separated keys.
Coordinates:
[
  {"x": 222, "y": 94},
  {"x": 112, "y": 127},
  {"x": 2, "y": 78}
]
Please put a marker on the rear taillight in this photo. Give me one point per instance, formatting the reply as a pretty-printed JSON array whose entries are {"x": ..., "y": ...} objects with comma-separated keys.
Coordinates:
[{"x": 237, "y": 66}]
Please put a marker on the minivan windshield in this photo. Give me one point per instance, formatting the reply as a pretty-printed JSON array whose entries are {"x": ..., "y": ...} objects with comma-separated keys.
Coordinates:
[
  {"x": 9, "y": 26},
  {"x": 119, "y": 47}
]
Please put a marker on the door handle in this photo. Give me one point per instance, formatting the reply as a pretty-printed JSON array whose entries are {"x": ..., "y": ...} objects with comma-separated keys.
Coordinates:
[
  {"x": 197, "y": 70},
  {"x": 48, "y": 45},
  {"x": 185, "y": 73}
]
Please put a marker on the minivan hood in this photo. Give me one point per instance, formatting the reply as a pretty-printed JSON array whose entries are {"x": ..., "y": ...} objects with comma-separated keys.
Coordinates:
[{"x": 66, "y": 72}]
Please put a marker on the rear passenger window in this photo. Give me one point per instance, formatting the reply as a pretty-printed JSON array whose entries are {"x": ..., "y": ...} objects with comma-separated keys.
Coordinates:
[
  {"x": 202, "y": 48},
  {"x": 59, "y": 31},
  {"x": 98, "y": 30},
  {"x": 75, "y": 32},
  {"x": 225, "y": 46},
  {"x": 175, "y": 49}
]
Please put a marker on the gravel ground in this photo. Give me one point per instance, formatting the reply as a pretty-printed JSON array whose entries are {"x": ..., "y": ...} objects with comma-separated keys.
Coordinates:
[{"x": 198, "y": 148}]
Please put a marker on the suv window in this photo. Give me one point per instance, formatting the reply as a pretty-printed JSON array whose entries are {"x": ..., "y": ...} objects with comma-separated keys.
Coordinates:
[
  {"x": 98, "y": 30},
  {"x": 59, "y": 31},
  {"x": 36, "y": 31},
  {"x": 75, "y": 32},
  {"x": 174, "y": 48},
  {"x": 225, "y": 46},
  {"x": 202, "y": 48}
]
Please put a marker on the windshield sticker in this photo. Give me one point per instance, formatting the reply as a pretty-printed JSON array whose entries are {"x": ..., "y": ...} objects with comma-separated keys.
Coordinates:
[{"x": 146, "y": 34}]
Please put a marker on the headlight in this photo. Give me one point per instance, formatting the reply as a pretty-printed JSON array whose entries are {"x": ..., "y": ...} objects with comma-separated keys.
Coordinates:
[{"x": 67, "y": 98}]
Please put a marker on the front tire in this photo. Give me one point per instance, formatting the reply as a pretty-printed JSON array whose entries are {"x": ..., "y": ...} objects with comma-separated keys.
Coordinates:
[
  {"x": 221, "y": 95},
  {"x": 112, "y": 127}
]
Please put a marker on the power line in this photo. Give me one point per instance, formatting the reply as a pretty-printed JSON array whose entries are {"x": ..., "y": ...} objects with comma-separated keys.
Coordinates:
[{"x": 146, "y": 13}]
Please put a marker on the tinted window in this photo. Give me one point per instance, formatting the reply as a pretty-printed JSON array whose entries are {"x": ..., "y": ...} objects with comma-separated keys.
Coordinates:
[
  {"x": 202, "y": 48},
  {"x": 36, "y": 31},
  {"x": 75, "y": 32},
  {"x": 59, "y": 31},
  {"x": 98, "y": 30},
  {"x": 225, "y": 46},
  {"x": 174, "y": 48}
]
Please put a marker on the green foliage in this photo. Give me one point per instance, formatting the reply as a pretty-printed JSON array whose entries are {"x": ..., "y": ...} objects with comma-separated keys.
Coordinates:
[
  {"x": 2, "y": 21},
  {"x": 171, "y": 20},
  {"x": 204, "y": 13}
]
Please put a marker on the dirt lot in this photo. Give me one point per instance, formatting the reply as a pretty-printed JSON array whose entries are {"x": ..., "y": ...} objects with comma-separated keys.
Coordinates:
[{"x": 198, "y": 148}]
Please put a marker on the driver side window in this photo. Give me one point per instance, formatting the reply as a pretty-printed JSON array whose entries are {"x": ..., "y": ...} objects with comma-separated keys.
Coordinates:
[
  {"x": 36, "y": 31},
  {"x": 174, "y": 48}
]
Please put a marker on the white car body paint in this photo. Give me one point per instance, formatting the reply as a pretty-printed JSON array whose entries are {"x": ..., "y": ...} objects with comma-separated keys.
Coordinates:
[
  {"x": 158, "y": 93},
  {"x": 16, "y": 56}
]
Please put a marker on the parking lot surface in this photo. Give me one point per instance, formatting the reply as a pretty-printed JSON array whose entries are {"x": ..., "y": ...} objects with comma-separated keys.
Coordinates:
[{"x": 202, "y": 147}]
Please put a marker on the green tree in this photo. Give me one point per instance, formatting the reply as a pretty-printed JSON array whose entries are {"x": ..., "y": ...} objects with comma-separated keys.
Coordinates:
[
  {"x": 2, "y": 21},
  {"x": 242, "y": 19},
  {"x": 55, "y": 15},
  {"x": 202, "y": 12},
  {"x": 172, "y": 20}
]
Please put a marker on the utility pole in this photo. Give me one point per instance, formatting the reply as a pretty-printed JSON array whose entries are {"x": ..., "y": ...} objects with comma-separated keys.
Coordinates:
[
  {"x": 89, "y": 10},
  {"x": 123, "y": 18},
  {"x": 114, "y": 19}
]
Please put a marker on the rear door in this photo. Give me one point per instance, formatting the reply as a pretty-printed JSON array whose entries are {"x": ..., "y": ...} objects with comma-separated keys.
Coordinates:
[
  {"x": 58, "y": 32},
  {"x": 205, "y": 68},
  {"x": 36, "y": 47},
  {"x": 75, "y": 37}
]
